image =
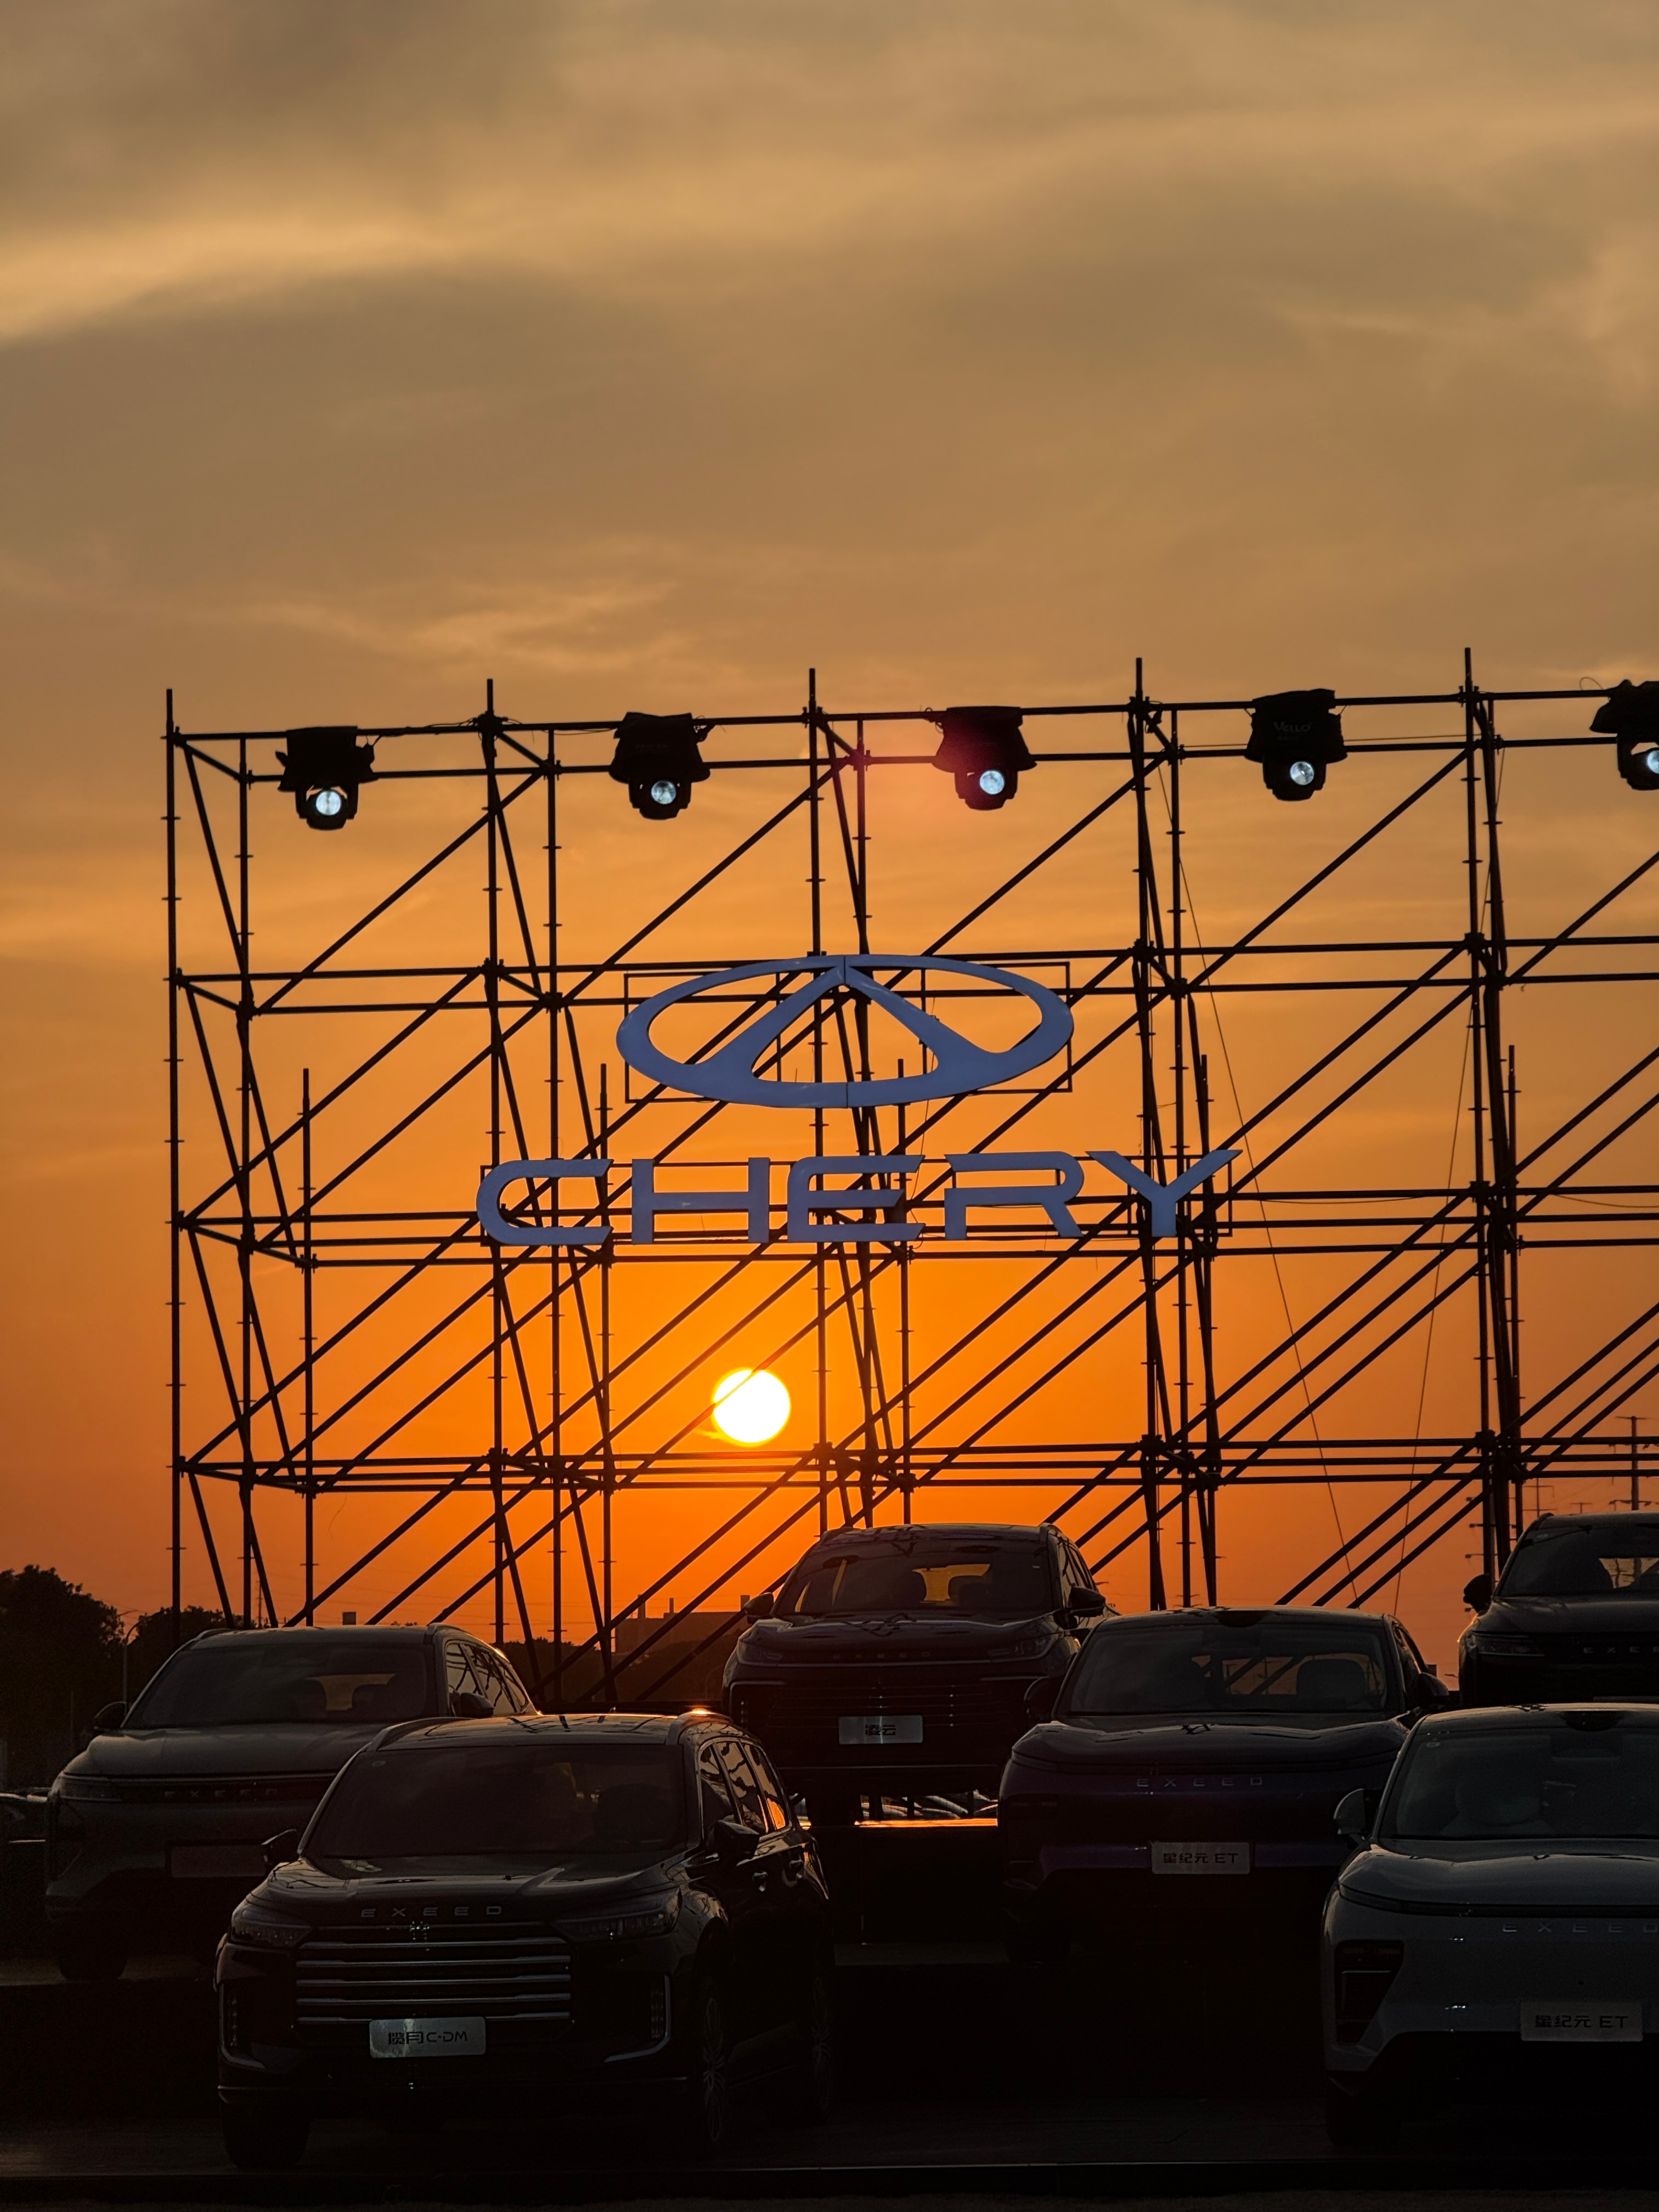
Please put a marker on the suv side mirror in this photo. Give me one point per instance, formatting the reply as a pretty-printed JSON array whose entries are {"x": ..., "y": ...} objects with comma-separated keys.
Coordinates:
[
  {"x": 1352, "y": 1820},
  {"x": 1084, "y": 1604},
  {"x": 468, "y": 1705},
  {"x": 109, "y": 1716},
  {"x": 732, "y": 1842},
  {"x": 761, "y": 1607},
  {"x": 280, "y": 1848},
  {"x": 1477, "y": 1592},
  {"x": 1039, "y": 1697},
  {"x": 1429, "y": 1690}
]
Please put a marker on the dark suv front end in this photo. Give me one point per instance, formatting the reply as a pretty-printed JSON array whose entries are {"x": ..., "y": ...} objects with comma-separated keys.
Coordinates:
[
  {"x": 541, "y": 1909},
  {"x": 1575, "y": 1617},
  {"x": 1191, "y": 1770},
  {"x": 155, "y": 1829},
  {"x": 898, "y": 1663}
]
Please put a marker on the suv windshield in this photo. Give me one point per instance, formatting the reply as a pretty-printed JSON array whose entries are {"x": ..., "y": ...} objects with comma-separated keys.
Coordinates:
[
  {"x": 1284, "y": 1667},
  {"x": 1605, "y": 1559},
  {"x": 923, "y": 1570},
  {"x": 452, "y": 1798},
  {"x": 1588, "y": 1774},
  {"x": 304, "y": 1677}
]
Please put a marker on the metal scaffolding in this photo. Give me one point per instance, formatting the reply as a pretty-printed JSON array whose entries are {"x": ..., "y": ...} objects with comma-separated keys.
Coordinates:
[{"x": 347, "y": 1343}]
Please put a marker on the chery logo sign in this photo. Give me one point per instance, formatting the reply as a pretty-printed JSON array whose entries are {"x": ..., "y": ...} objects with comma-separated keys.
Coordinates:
[
  {"x": 728, "y": 1074},
  {"x": 959, "y": 1065}
]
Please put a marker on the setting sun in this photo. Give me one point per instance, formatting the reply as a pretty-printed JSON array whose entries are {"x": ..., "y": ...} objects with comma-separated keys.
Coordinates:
[{"x": 750, "y": 1407}]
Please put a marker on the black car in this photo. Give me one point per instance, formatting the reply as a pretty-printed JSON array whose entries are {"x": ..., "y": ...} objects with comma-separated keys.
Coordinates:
[
  {"x": 565, "y": 1908},
  {"x": 1575, "y": 1617},
  {"x": 1193, "y": 1764},
  {"x": 154, "y": 1832},
  {"x": 895, "y": 1662}
]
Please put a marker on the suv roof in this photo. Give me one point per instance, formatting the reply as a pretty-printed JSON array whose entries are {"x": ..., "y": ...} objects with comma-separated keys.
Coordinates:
[
  {"x": 973, "y": 1531},
  {"x": 1246, "y": 1616},
  {"x": 400, "y": 1634}
]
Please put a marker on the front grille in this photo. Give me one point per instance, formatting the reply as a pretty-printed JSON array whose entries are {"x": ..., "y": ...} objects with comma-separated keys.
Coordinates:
[
  {"x": 799, "y": 1716},
  {"x": 1622, "y": 1649},
  {"x": 1122, "y": 1808},
  {"x": 514, "y": 1971},
  {"x": 254, "y": 1789}
]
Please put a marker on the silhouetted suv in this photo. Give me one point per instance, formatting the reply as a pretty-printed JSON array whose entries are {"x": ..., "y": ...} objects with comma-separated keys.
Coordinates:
[
  {"x": 531, "y": 1911},
  {"x": 154, "y": 1831},
  {"x": 1575, "y": 1615},
  {"x": 895, "y": 1662},
  {"x": 1203, "y": 1743}
]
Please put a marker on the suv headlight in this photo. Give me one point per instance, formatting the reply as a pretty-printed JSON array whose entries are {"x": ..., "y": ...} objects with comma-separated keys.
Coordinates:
[
  {"x": 609, "y": 1927},
  {"x": 253, "y": 1923},
  {"x": 1494, "y": 1644},
  {"x": 84, "y": 1789}
]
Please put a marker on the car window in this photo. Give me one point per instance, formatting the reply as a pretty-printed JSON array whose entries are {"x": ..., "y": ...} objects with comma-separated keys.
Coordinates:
[
  {"x": 1002, "y": 1577},
  {"x": 1172, "y": 1664},
  {"x": 714, "y": 1798},
  {"x": 492, "y": 1682},
  {"x": 745, "y": 1790},
  {"x": 518, "y": 1694},
  {"x": 534, "y": 1795},
  {"x": 1585, "y": 1559},
  {"x": 462, "y": 1673},
  {"x": 1585, "y": 1774},
  {"x": 777, "y": 1805},
  {"x": 302, "y": 1676},
  {"x": 1411, "y": 1658}
]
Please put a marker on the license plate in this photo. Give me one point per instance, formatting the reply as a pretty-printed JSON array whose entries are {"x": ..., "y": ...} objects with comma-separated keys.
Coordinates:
[
  {"x": 881, "y": 1727},
  {"x": 1576, "y": 2021},
  {"x": 216, "y": 1862},
  {"x": 1200, "y": 1858},
  {"x": 425, "y": 2038}
]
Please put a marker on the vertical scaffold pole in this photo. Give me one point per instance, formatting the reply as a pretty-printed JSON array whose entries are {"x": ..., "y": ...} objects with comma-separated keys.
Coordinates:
[
  {"x": 1154, "y": 1432},
  {"x": 175, "y": 1277},
  {"x": 308, "y": 1344}
]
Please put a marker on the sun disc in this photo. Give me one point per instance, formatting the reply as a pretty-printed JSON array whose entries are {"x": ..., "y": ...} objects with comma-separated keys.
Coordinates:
[{"x": 750, "y": 1406}]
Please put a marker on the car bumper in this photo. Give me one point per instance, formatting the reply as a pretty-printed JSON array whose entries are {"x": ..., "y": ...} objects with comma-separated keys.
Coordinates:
[
  {"x": 145, "y": 1902},
  {"x": 1456, "y": 1998}
]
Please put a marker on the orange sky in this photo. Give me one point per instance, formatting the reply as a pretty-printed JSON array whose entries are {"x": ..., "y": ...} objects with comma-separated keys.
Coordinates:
[{"x": 351, "y": 353}]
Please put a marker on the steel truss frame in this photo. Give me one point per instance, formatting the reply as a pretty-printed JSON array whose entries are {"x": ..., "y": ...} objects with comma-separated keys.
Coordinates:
[{"x": 571, "y": 1428}]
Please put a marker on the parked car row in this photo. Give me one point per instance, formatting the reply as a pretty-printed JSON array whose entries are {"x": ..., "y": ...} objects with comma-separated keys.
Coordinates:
[{"x": 615, "y": 1904}]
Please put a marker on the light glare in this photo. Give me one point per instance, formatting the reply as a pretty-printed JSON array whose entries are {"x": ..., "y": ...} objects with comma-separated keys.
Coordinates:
[{"x": 750, "y": 1406}]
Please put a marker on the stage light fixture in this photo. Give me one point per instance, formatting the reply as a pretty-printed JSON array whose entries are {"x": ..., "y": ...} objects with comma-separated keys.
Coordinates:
[
  {"x": 1294, "y": 735},
  {"x": 658, "y": 757},
  {"x": 981, "y": 748},
  {"x": 324, "y": 769},
  {"x": 1630, "y": 714}
]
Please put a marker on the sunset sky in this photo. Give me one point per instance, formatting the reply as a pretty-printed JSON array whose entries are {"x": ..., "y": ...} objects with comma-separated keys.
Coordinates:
[{"x": 644, "y": 355}]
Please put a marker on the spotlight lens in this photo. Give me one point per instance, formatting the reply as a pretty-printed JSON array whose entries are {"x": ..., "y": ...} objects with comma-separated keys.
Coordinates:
[
  {"x": 328, "y": 803},
  {"x": 1650, "y": 762},
  {"x": 750, "y": 1406},
  {"x": 664, "y": 793},
  {"x": 992, "y": 782},
  {"x": 1301, "y": 772}
]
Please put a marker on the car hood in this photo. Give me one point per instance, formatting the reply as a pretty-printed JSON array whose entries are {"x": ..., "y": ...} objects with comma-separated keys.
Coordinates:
[
  {"x": 1507, "y": 1877},
  {"x": 864, "y": 1638},
  {"x": 1117, "y": 1743},
  {"x": 256, "y": 1747},
  {"x": 1542, "y": 1614},
  {"x": 527, "y": 1885}
]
